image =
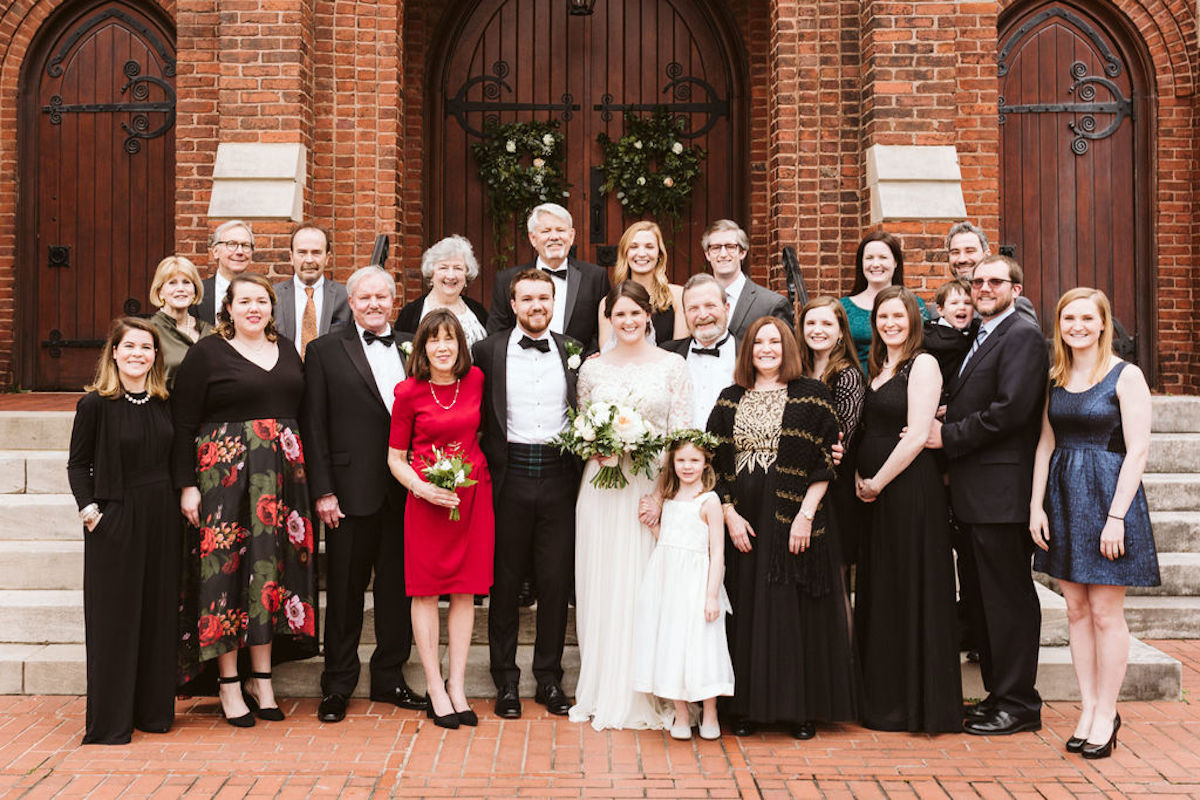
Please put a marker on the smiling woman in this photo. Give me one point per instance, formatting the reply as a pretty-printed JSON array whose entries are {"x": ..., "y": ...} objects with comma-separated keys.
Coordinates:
[{"x": 448, "y": 267}]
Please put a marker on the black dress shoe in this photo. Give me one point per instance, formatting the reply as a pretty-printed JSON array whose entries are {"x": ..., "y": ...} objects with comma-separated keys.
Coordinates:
[
  {"x": 508, "y": 702},
  {"x": 552, "y": 696},
  {"x": 448, "y": 721},
  {"x": 527, "y": 596},
  {"x": 973, "y": 656},
  {"x": 245, "y": 720},
  {"x": 804, "y": 730},
  {"x": 979, "y": 710},
  {"x": 744, "y": 727},
  {"x": 332, "y": 708},
  {"x": 1002, "y": 723},
  {"x": 401, "y": 696}
]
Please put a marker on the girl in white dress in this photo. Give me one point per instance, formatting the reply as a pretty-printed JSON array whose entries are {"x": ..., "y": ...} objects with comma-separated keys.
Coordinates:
[{"x": 680, "y": 652}]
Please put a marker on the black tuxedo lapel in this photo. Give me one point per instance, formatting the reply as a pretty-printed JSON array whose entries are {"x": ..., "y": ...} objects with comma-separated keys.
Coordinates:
[
  {"x": 574, "y": 278},
  {"x": 974, "y": 359},
  {"x": 561, "y": 344},
  {"x": 358, "y": 358},
  {"x": 499, "y": 380}
]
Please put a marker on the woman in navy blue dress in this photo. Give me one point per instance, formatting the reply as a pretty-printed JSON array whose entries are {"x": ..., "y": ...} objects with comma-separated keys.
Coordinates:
[{"x": 1088, "y": 511}]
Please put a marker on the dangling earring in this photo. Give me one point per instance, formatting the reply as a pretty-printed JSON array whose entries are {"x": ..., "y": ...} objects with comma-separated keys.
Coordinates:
[{"x": 839, "y": 341}]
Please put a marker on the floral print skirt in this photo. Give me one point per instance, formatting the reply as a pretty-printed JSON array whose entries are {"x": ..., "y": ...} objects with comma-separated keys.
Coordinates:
[{"x": 248, "y": 570}]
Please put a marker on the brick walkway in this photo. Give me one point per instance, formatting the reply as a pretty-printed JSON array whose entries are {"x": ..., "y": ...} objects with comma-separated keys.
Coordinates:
[{"x": 383, "y": 751}]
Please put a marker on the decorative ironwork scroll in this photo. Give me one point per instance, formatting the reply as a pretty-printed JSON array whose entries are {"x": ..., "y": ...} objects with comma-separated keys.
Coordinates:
[
  {"x": 1112, "y": 62},
  {"x": 680, "y": 88},
  {"x": 1084, "y": 88},
  {"x": 459, "y": 106},
  {"x": 138, "y": 127},
  {"x": 54, "y": 66}
]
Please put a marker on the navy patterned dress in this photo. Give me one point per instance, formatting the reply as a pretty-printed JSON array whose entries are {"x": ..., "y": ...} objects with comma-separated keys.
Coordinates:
[{"x": 1089, "y": 448}]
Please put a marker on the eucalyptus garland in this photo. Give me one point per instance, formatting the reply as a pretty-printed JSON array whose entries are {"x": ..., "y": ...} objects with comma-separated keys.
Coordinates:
[
  {"x": 652, "y": 171},
  {"x": 521, "y": 164}
]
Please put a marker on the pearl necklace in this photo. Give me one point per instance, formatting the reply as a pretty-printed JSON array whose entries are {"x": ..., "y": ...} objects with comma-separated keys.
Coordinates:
[
  {"x": 139, "y": 402},
  {"x": 433, "y": 394}
]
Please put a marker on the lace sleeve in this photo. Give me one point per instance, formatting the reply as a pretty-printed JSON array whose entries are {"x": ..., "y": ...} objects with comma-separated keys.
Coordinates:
[
  {"x": 585, "y": 384},
  {"x": 848, "y": 393},
  {"x": 680, "y": 414}
]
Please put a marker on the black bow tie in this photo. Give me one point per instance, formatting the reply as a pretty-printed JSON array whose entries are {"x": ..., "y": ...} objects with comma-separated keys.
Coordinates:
[
  {"x": 560, "y": 273},
  {"x": 541, "y": 345},
  {"x": 715, "y": 350},
  {"x": 386, "y": 341}
]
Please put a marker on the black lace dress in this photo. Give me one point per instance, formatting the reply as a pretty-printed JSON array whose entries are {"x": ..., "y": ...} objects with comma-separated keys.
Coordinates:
[{"x": 849, "y": 389}]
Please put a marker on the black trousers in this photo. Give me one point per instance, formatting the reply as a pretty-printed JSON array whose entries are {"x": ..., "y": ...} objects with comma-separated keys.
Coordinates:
[
  {"x": 357, "y": 546},
  {"x": 131, "y": 568},
  {"x": 1008, "y": 616},
  {"x": 968, "y": 590},
  {"x": 535, "y": 534}
]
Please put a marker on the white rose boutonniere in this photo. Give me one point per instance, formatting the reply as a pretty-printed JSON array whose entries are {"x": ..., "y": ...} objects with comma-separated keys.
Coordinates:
[
  {"x": 574, "y": 355},
  {"x": 406, "y": 348}
]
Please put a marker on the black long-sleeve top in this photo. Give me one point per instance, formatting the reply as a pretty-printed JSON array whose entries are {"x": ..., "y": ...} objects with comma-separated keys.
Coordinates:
[{"x": 115, "y": 442}]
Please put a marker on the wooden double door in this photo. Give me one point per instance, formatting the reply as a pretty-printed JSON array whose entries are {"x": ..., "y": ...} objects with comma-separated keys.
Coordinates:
[
  {"x": 97, "y": 172},
  {"x": 517, "y": 60}
]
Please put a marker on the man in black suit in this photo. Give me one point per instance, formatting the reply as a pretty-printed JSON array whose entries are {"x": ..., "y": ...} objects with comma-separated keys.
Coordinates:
[
  {"x": 710, "y": 350},
  {"x": 579, "y": 286},
  {"x": 726, "y": 245},
  {"x": 231, "y": 245},
  {"x": 308, "y": 304},
  {"x": 993, "y": 419},
  {"x": 350, "y": 377},
  {"x": 529, "y": 384}
]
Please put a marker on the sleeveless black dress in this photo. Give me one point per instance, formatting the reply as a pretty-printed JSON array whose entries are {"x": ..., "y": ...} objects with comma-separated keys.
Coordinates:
[{"x": 905, "y": 618}]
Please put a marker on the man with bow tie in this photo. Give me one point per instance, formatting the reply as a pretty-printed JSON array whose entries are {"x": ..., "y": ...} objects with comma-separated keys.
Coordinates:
[
  {"x": 530, "y": 373},
  {"x": 350, "y": 379},
  {"x": 710, "y": 351},
  {"x": 578, "y": 286}
]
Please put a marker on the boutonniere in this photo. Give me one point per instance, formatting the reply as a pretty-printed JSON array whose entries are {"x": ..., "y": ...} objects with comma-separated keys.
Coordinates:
[
  {"x": 574, "y": 354},
  {"x": 406, "y": 348}
]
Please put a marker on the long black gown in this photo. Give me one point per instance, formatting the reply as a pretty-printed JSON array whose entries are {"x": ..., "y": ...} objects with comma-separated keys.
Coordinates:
[
  {"x": 120, "y": 459},
  {"x": 905, "y": 618}
]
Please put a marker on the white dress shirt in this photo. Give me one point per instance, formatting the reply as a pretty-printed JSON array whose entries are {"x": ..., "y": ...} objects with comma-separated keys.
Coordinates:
[
  {"x": 387, "y": 365},
  {"x": 560, "y": 296},
  {"x": 734, "y": 291},
  {"x": 301, "y": 299},
  {"x": 220, "y": 286},
  {"x": 537, "y": 391},
  {"x": 710, "y": 376}
]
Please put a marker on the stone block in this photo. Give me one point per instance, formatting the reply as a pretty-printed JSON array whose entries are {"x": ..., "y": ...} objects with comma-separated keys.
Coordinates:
[
  {"x": 57, "y": 669},
  {"x": 39, "y": 516},
  {"x": 1172, "y": 491},
  {"x": 46, "y": 472},
  {"x": 1176, "y": 414},
  {"x": 41, "y": 616},
  {"x": 36, "y": 430},
  {"x": 914, "y": 182},
  {"x": 258, "y": 181},
  {"x": 41, "y": 564}
]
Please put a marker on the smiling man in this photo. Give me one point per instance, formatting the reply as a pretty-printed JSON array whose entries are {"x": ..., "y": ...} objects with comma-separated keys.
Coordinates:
[
  {"x": 966, "y": 246},
  {"x": 710, "y": 350},
  {"x": 310, "y": 305},
  {"x": 726, "y": 246},
  {"x": 231, "y": 245}
]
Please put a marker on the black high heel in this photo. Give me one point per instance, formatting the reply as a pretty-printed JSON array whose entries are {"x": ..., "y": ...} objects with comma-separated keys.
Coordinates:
[
  {"x": 1105, "y": 750},
  {"x": 448, "y": 721},
  {"x": 1076, "y": 743},
  {"x": 467, "y": 717},
  {"x": 245, "y": 720},
  {"x": 268, "y": 714}
]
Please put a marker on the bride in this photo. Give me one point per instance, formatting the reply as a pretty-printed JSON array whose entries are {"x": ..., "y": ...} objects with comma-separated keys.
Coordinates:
[{"x": 611, "y": 545}]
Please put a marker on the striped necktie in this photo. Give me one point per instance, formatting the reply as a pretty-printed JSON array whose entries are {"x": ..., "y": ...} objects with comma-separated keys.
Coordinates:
[{"x": 979, "y": 337}]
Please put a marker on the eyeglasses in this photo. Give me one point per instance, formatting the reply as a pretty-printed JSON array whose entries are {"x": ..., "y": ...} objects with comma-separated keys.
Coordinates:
[
  {"x": 993, "y": 283},
  {"x": 235, "y": 246},
  {"x": 721, "y": 248}
]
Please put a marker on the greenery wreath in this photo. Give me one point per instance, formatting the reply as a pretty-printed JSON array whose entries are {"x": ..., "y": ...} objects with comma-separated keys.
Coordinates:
[
  {"x": 652, "y": 171},
  {"x": 521, "y": 164}
]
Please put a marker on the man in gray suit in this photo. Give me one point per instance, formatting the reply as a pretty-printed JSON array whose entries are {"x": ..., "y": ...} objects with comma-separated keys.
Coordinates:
[
  {"x": 308, "y": 304},
  {"x": 725, "y": 246},
  {"x": 966, "y": 246}
]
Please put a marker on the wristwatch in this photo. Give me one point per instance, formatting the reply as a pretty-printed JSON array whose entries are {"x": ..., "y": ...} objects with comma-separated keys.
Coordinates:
[{"x": 808, "y": 515}]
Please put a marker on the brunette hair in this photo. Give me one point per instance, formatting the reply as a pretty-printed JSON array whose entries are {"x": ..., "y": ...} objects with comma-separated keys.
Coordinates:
[
  {"x": 668, "y": 481},
  {"x": 635, "y": 292},
  {"x": 893, "y": 244},
  {"x": 1015, "y": 273},
  {"x": 168, "y": 268},
  {"x": 789, "y": 370},
  {"x": 107, "y": 382},
  {"x": 1063, "y": 355},
  {"x": 310, "y": 226},
  {"x": 225, "y": 321},
  {"x": 956, "y": 285},
  {"x": 436, "y": 321},
  {"x": 841, "y": 355},
  {"x": 531, "y": 274},
  {"x": 916, "y": 331},
  {"x": 660, "y": 292}
]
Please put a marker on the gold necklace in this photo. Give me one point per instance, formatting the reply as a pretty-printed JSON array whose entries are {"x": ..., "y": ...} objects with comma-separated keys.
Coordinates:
[{"x": 433, "y": 394}]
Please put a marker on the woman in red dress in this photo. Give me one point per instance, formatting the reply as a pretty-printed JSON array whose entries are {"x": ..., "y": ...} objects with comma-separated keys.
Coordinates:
[{"x": 439, "y": 406}]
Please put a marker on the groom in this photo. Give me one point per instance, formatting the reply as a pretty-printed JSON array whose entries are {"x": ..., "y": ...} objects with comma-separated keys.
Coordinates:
[{"x": 530, "y": 375}]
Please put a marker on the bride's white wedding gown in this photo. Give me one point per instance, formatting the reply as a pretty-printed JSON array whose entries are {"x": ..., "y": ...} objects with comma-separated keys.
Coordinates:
[{"x": 612, "y": 547}]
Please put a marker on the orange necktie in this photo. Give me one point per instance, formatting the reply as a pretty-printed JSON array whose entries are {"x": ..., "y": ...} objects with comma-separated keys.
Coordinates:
[{"x": 308, "y": 325}]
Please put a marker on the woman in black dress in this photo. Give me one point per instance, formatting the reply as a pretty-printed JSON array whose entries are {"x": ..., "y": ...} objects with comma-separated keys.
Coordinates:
[
  {"x": 789, "y": 635},
  {"x": 642, "y": 258},
  {"x": 239, "y": 463},
  {"x": 119, "y": 470},
  {"x": 905, "y": 619},
  {"x": 448, "y": 266}
]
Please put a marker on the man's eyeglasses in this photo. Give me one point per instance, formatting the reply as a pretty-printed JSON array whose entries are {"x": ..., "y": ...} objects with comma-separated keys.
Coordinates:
[
  {"x": 993, "y": 283},
  {"x": 235, "y": 246},
  {"x": 720, "y": 248}
]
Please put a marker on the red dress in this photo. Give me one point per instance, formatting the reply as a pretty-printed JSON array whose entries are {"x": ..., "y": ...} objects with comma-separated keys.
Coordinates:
[{"x": 442, "y": 556}]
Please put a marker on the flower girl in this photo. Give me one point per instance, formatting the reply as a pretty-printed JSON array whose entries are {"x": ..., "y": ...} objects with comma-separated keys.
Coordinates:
[{"x": 680, "y": 651}]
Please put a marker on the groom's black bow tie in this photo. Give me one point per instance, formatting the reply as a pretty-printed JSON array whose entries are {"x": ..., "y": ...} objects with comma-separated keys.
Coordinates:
[
  {"x": 715, "y": 350},
  {"x": 541, "y": 345},
  {"x": 386, "y": 341},
  {"x": 556, "y": 273}
]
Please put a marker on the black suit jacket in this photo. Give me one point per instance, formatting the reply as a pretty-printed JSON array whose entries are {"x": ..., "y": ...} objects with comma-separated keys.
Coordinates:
[
  {"x": 993, "y": 420},
  {"x": 410, "y": 316},
  {"x": 587, "y": 286},
  {"x": 206, "y": 310},
  {"x": 491, "y": 356},
  {"x": 678, "y": 346},
  {"x": 345, "y": 423},
  {"x": 335, "y": 308},
  {"x": 758, "y": 301}
]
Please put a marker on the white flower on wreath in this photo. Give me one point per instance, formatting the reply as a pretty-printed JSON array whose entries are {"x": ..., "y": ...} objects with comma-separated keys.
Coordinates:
[
  {"x": 668, "y": 182},
  {"x": 641, "y": 181},
  {"x": 677, "y": 148},
  {"x": 548, "y": 140},
  {"x": 538, "y": 163},
  {"x": 511, "y": 146},
  {"x": 637, "y": 145}
]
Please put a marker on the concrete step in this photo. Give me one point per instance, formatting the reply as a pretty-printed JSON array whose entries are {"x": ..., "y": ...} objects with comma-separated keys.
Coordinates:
[
  {"x": 36, "y": 430},
  {"x": 1176, "y": 531},
  {"x": 1054, "y": 616},
  {"x": 1174, "y": 452},
  {"x": 33, "y": 472},
  {"x": 1180, "y": 573},
  {"x": 41, "y": 564},
  {"x": 1176, "y": 414},
  {"x": 1153, "y": 617},
  {"x": 1172, "y": 491},
  {"x": 39, "y": 516}
]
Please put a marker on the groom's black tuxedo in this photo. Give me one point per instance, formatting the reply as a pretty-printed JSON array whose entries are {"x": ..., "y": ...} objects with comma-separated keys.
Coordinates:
[
  {"x": 587, "y": 286},
  {"x": 345, "y": 432}
]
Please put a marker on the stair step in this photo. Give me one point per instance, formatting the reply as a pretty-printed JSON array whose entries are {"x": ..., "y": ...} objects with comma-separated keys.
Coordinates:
[
  {"x": 41, "y": 564},
  {"x": 33, "y": 472},
  {"x": 1158, "y": 617},
  {"x": 36, "y": 430},
  {"x": 1175, "y": 414},
  {"x": 1180, "y": 573},
  {"x": 1176, "y": 531},
  {"x": 1172, "y": 491},
  {"x": 1174, "y": 452},
  {"x": 39, "y": 516}
]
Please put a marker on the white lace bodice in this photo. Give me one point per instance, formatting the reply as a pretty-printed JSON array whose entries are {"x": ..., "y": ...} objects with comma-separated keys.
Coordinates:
[{"x": 660, "y": 389}]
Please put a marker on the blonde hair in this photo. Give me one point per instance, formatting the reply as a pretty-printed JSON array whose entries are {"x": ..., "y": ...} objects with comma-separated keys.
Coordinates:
[
  {"x": 168, "y": 268},
  {"x": 660, "y": 290},
  {"x": 107, "y": 382},
  {"x": 1063, "y": 355}
]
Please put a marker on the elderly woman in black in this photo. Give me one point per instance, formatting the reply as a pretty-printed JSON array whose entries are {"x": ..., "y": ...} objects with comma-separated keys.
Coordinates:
[
  {"x": 239, "y": 464},
  {"x": 448, "y": 266},
  {"x": 789, "y": 634},
  {"x": 119, "y": 472}
]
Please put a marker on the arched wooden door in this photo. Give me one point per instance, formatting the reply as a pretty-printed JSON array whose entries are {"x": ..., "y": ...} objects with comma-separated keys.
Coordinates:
[
  {"x": 512, "y": 60},
  {"x": 1075, "y": 123},
  {"x": 97, "y": 155}
]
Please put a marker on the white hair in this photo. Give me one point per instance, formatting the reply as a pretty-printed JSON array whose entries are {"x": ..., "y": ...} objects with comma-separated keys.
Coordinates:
[
  {"x": 226, "y": 227},
  {"x": 554, "y": 210},
  {"x": 450, "y": 247},
  {"x": 370, "y": 271}
]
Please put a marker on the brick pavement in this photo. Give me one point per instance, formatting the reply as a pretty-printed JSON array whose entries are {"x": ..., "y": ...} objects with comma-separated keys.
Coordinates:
[{"x": 381, "y": 751}]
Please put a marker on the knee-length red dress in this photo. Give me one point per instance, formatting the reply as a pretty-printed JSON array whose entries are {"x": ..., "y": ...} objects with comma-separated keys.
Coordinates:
[{"x": 444, "y": 556}]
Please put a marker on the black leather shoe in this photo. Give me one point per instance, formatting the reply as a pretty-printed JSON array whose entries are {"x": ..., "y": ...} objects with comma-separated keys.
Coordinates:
[
  {"x": 804, "y": 730},
  {"x": 973, "y": 656},
  {"x": 744, "y": 727},
  {"x": 527, "y": 596},
  {"x": 447, "y": 721},
  {"x": 552, "y": 696},
  {"x": 401, "y": 696},
  {"x": 1002, "y": 723},
  {"x": 979, "y": 710},
  {"x": 332, "y": 708},
  {"x": 1089, "y": 750},
  {"x": 508, "y": 702},
  {"x": 1076, "y": 743}
]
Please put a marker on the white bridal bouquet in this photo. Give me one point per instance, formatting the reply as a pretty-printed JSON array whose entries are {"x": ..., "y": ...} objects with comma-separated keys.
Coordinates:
[
  {"x": 607, "y": 431},
  {"x": 449, "y": 470}
]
